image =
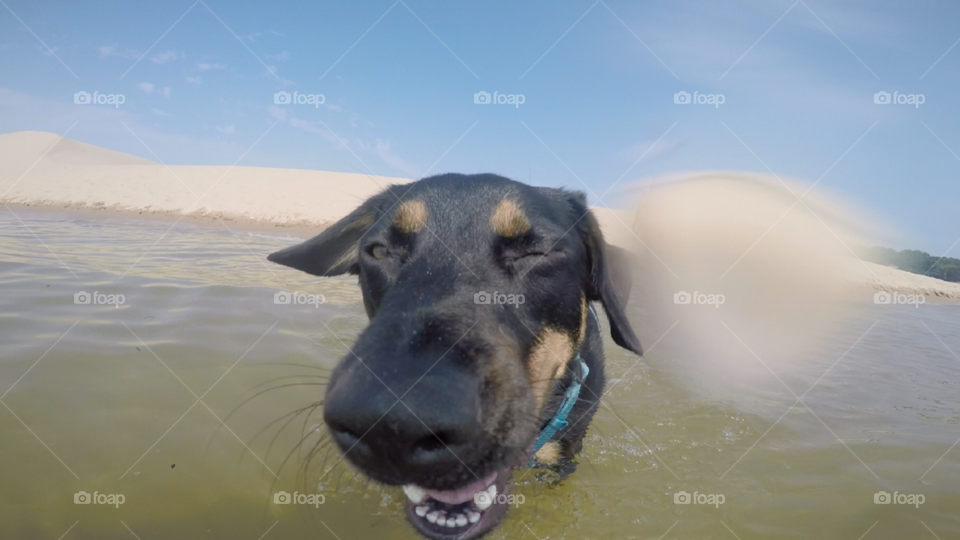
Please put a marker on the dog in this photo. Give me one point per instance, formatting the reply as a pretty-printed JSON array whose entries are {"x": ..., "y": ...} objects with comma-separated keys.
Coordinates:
[{"x": 483, "y": 352}]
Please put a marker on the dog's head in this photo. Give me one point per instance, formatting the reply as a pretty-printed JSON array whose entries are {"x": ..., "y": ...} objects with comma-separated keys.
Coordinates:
[{"x": 477, "y": 290}]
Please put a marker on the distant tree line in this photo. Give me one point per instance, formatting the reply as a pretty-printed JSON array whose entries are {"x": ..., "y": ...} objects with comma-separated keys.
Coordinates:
[{"x": 912, "y": 260}]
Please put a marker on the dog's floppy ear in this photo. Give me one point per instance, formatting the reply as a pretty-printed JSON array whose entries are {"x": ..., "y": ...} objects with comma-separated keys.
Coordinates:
[
  {"x": 610, "y": 277},
  {"x": 333, "y": 252}
]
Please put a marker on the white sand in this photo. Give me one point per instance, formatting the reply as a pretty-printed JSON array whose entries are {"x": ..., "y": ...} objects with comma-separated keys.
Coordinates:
[
  {"x": 41, "y": 169},
  {"x": 38, "y": 170}
]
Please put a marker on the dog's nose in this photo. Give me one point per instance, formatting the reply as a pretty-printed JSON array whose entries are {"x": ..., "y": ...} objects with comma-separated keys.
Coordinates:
[{"x": 402, "y": 428}]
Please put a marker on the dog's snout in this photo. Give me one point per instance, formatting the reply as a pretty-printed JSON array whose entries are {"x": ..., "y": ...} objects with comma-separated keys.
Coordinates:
[{"x": 403, "y": 429}]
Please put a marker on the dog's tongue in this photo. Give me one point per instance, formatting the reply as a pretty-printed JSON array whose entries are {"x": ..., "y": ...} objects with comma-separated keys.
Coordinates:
[{"x": 464, "y": 494}]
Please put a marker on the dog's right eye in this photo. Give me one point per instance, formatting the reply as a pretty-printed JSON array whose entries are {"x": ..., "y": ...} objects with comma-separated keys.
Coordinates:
[{"x": 378, "y": 251}]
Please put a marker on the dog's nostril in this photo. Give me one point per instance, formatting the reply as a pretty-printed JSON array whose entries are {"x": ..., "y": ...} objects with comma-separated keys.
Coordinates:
[
  {"x": 433, "y": 442},
  {"x": 343, "y": 434}
]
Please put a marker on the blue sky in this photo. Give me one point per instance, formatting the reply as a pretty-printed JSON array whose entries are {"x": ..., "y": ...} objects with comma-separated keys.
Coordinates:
[{"x": 598, "y": 80}]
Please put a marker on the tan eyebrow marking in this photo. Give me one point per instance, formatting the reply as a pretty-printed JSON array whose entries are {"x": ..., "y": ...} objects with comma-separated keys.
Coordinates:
[
  {"x": 411, "y": 216},
  {"x": 508, "y": 220}
]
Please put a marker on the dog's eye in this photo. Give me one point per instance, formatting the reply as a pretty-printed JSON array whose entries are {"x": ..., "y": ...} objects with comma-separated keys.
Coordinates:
[
  {"x": 511, "y": 258},
  {"x": 379, "y": 251}
]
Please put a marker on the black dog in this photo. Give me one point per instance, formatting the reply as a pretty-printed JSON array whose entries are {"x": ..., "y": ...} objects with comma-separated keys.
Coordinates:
[{"x": 478, "y": 290}]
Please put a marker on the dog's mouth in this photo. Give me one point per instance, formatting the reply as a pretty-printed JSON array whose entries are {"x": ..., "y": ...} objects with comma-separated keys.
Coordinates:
[{"x": 463, "y": 513}]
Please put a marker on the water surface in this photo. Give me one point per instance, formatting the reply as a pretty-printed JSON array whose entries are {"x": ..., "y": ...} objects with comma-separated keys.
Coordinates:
[{"x": 147, "y": 399}]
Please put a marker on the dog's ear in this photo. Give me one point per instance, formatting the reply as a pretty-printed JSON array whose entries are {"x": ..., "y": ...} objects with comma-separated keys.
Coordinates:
[
  {"x": 610, "y": 275},
  {"x": 333, "y": 252}
]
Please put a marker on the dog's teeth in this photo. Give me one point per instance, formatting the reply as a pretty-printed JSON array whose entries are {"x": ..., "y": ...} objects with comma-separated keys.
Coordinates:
[
  {"x": 415, "y": 493},
  {"x": 432, "y": 517},
  {"x": 421, "y": 510},
  {"x": 461, "y": 521},
  {"x": 451, "y": 522},
  {"x": 483, "y": 502},
  {"x": 473, "y": 516},
  {"x": 492, "y": 490}
]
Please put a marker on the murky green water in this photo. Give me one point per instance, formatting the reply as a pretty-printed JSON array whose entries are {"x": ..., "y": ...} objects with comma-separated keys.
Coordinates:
[{"x": 146, "y": 400}]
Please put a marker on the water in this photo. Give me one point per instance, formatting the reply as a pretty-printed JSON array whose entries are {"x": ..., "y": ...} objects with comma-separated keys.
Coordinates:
[{"x": 104, "y": 399}]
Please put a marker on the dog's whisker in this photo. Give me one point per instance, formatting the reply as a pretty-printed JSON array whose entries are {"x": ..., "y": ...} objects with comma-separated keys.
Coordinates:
[
  {"x": 258, "y": 394},
  {"x": 287, "y": 377},
  {"x": 309, "y": 410},
  {"x": 290, "y": 364},
  {"x": 292, "y": 416},
  {"x": 303, "y": 429},
  {"x": 303, "y": 437},
  {"x": 326, "y": 446}
]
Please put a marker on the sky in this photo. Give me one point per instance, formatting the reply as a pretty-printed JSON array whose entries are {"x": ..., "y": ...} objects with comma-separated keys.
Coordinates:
[{"x": 589, "y": 91}]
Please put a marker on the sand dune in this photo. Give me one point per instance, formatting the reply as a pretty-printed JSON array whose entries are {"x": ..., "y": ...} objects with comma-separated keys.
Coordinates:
[
  {"x": 40, "y": 169},
  {"x": 683, "y": 226}
]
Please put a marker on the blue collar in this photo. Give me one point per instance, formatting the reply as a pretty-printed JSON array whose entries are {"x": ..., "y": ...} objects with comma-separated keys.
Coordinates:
[{"x": 559, "y": 420}]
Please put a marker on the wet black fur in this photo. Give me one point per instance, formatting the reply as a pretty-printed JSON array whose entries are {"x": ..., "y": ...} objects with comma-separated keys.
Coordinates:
[{"x": 461, "y": 367}]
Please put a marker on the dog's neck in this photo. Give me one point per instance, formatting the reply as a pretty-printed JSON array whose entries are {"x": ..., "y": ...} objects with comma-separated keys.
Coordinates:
[{"x": 569, "y": 388}]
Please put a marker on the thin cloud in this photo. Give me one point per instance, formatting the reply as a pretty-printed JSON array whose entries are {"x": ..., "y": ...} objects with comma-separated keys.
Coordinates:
[
  {"x": 383, "y": 150},
  {"x": 113, "y": 50},
  {"x": 146, "y": 87},
  {"x": 277, "y": 112},
  {"x": 164, "y": 57},
  {"x": 645, "y": 149}
]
